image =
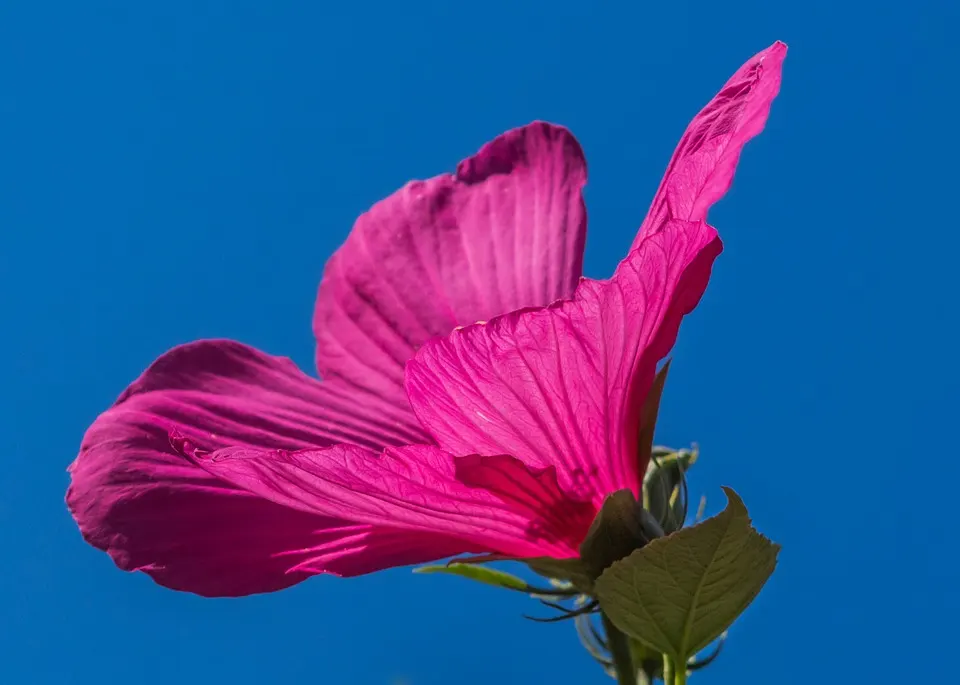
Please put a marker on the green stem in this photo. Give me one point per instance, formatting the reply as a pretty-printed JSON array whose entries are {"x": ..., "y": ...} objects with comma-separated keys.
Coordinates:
[
  {"x": 674, "y": 673},
  {"x": 620, "y": 651}
]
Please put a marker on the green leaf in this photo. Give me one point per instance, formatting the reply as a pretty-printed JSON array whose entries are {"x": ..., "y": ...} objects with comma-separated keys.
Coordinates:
[
  {"x": 679, "y": 593},
  {"x": 482, "y": 574}
]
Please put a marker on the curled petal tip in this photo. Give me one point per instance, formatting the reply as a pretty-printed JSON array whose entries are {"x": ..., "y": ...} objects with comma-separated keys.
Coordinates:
[
  {"x": 775, "y": 53},
  {"x": 771, "y": 58}
]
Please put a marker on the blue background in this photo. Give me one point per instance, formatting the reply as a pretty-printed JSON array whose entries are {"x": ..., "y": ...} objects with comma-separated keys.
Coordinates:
[{"x": 171, "y": 171}]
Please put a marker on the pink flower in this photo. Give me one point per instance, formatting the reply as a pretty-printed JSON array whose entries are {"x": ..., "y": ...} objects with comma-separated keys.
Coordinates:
[{"x": 501, "y": 437}]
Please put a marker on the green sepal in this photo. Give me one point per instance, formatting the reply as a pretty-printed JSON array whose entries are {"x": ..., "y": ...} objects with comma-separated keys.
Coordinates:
[
  {"x": 621, "y": 526},
  {"x": 567, "y": 574},
  {"x": 663, "y": 491},
  {"x": 648, "y": 418},
  {"x": 481, "y": 574},
  {"x": 493, "y": 577}
]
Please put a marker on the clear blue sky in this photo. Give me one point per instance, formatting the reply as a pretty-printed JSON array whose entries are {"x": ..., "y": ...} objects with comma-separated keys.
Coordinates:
[{"x": 178, "y": 170}]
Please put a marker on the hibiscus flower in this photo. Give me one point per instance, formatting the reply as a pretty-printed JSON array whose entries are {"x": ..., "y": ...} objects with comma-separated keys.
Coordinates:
[{"x": 478, "y": 395}]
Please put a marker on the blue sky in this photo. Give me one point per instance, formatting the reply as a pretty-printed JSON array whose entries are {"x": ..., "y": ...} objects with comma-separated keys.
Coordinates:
[{"x": 172, "y": 171}]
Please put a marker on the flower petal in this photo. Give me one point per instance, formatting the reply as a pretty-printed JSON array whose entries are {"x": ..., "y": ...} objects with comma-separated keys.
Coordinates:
[
  {"x": 493, "y": 504},
  {"x": 564, "y": 385},
  {"x": 505, "y": 231},
  {"x": 151, "y": 509},
  {"x": 703, "y": 164}
]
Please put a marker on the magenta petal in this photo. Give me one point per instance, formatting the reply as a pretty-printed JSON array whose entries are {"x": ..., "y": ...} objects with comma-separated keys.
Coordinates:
[
  {"x": 505, "y": 231},
  {"x": 490, "y": 504},
  {"x": 153, "y": 510},
  {"x": 704, "y": 162},
  {"x": 359, "y": 549},
  {"x": 564, "y": 385}
]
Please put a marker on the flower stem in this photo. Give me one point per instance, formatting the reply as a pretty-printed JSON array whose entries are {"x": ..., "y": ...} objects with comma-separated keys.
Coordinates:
[
  {"x": 620, "y": 651},
  {"x": 674, "y": 673}
]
